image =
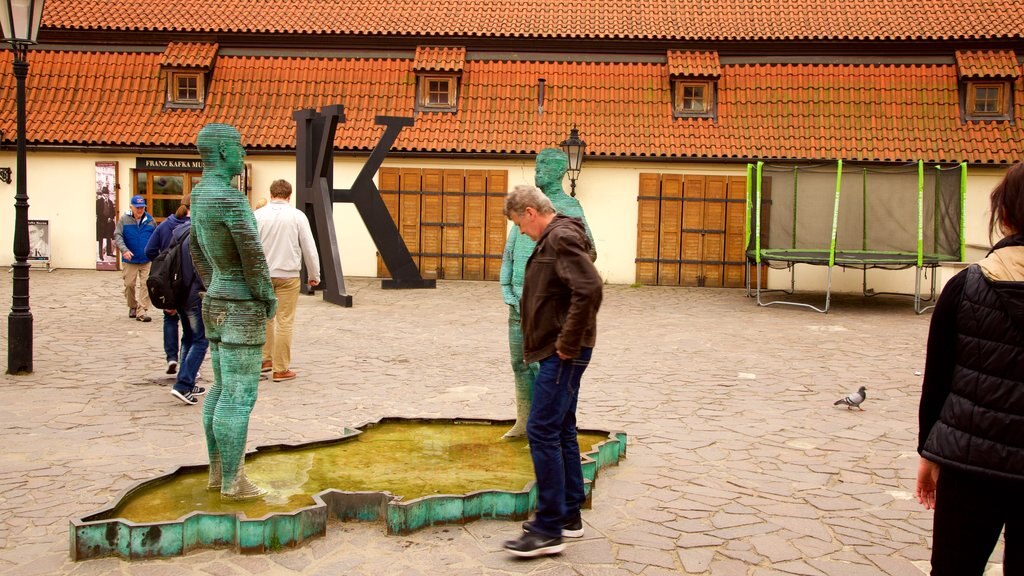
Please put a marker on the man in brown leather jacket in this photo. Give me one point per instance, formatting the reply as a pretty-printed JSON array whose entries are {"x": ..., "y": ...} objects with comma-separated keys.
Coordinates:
[{"x": 561, "y": 296}]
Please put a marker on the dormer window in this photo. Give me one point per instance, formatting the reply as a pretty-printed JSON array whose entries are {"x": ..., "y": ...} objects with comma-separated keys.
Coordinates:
[
  {"x": 438, "y": 93},
  {"x": 438, "y": 72},
  {"x": 185, "y": 88},
  {"x": 988, "y": 100},
  {"x": 186, "y": 69},
  {"x": 986, "y": 77},
  {"x": 694, "y": 76},
  {"x": 694, "y": 98}
]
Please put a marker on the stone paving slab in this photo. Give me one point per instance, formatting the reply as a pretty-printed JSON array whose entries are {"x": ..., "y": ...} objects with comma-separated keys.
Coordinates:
[{"x": 738, "y": 463}]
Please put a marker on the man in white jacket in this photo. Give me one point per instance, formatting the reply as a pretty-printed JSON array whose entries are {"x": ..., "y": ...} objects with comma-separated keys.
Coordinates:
[{"x": 287, "y": 242}]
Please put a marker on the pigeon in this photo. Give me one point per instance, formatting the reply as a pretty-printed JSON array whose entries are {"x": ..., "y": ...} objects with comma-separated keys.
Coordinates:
[{"x": 853, "y": 400}]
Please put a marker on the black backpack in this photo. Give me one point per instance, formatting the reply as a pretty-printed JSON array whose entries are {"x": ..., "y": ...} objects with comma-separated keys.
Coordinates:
[{"x": 166, "y": 287}]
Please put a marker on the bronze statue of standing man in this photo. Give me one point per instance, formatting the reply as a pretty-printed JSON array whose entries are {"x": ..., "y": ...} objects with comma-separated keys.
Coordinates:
[
  {"x": 551, "y": 166},
  {"x": 238, "y": 302}
]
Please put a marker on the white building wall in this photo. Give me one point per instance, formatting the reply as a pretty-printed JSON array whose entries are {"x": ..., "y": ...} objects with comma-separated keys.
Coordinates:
[{"x": 61, "y": 190}]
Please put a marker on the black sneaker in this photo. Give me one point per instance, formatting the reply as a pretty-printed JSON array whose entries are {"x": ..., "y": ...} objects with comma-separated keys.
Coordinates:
[
  {"x": 198, "y": 390},
  {"x": 532, "y": 544},
  {"x": 172, "y": 366},
  {"x": 186, "y": 397},
  {"x": 570, "y": 528},
  {"x": 131, "y": 312}
]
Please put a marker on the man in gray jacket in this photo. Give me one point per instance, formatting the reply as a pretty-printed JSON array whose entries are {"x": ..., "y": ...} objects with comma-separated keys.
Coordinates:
[{"x": 287, "y": 242}]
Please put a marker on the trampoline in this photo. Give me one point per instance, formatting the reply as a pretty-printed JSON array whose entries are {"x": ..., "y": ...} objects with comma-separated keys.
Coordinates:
[{"x": 861, "y": 217}]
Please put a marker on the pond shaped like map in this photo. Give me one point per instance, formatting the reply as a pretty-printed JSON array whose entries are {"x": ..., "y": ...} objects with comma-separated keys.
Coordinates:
[{"x": 408, "y": 473}]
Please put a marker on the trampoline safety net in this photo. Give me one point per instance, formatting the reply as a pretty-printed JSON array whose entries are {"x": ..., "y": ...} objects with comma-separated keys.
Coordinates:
[{"x": 856, "y": 216}]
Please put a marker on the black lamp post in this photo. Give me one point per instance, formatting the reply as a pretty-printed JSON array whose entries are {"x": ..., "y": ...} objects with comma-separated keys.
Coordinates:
[
  {"x": 20, "y": 22},
  {"x": 574, "y": 148}
]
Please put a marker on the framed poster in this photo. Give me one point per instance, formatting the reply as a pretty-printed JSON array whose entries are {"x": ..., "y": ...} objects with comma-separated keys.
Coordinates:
[
  {"x": 106, "y": 215},
  {"x": 39, "y": 240}
]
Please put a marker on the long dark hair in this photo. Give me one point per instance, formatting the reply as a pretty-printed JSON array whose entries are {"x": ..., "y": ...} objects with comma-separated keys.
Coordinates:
[{"x": 1008, "y": 202}]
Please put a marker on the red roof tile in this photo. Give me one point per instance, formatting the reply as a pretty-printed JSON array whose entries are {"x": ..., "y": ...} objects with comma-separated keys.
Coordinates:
[
  {"x": 440, "y": 59},
  {"x": 856, "y": 112},
  {"x": 693, "y": 63},
  {"x": 189, "y": 55},
  {"x": 987, "y": 63},
  {"x": 640, "y": 19}
]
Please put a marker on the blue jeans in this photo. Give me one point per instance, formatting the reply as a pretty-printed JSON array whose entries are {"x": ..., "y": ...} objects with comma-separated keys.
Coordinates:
[
  {"x": 551, "y": 429},
  {"x": 193, "y": 346},
  {"x": 171, "y": 337}
]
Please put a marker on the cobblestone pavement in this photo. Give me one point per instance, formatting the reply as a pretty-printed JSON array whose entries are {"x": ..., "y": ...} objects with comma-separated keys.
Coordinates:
[{"x": 737, "y": 464}]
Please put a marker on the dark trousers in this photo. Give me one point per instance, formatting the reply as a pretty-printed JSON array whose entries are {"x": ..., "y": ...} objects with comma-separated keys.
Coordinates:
[
  {"x": 551, "y": 429},
  {"x": 970, "y": 511}
]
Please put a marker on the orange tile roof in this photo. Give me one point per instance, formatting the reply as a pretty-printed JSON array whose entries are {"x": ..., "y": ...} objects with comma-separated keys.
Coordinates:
[
  {"x": 439, "y": 59},
  {"x": 693, "y": 63},
  {"x": 640, "y": 19},
  {"x": 881, "y": 112},
  {"x": 987, "y": 63},
  {"x": 189, "y": 55}
]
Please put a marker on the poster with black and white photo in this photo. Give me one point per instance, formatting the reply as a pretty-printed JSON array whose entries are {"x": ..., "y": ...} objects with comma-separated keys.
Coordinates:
[
  {"x": 106, "y": 215},
  {"x": 39, "y": 240}
]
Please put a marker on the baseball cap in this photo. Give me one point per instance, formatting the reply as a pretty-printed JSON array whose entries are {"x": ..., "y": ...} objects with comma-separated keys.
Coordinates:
[{"x": 138, "y": 201}]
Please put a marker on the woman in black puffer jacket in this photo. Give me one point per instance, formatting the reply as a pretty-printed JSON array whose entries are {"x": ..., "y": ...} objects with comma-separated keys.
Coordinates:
[{"x": 972, "y": 402}]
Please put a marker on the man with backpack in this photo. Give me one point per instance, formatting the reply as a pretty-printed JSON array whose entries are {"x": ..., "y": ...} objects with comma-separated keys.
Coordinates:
[
  {"x": 159, "y": 242},
  {"x": 174, "y": 286},
  {"x": 190, "y": 310}
]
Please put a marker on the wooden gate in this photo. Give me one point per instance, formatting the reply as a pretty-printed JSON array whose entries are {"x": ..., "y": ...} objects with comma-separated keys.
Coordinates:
[
  {"x": 690, "y": 230},
  {"x": 451, "y": 220}
]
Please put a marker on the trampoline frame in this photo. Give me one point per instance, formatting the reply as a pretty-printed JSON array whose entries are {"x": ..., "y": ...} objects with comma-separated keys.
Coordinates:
[{"x": 919, "y": 260}]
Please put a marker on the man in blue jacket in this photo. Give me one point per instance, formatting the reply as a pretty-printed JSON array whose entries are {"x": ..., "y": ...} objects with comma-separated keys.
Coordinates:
[{"x": 131, "y": 236}]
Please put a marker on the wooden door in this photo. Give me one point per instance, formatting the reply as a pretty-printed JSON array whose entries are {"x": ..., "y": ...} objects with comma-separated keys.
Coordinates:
[
  {"x": 454, "y": 216},
  {"x": 648, "y": 218},
  {"x": 451, "y": 220},
  {"x": 670, "y": 229},
  {"x": 690, "y": 230}
]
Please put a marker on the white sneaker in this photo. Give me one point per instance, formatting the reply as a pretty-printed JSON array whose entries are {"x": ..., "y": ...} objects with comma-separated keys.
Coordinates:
[{"x": 172, "y": 366}]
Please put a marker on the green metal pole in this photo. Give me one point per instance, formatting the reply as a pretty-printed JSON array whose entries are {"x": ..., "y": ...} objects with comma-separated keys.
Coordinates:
[
  {"x": 920, "y": 213},
  {"x": 835, "y": 216},
  {"x": 757, "y": 238},
  {"x": 796, "y": 181},
  {"x": 864, "y": 211},
  {"x": 750, "y": 206},
  {"x": 935, "y": 213},
  {"x": 963, "y": 203}
]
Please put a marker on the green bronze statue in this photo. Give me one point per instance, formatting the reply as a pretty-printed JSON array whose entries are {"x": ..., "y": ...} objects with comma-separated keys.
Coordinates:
[
  {"x": 552, "y": 165},
  {"x": 239, "y": 300}
]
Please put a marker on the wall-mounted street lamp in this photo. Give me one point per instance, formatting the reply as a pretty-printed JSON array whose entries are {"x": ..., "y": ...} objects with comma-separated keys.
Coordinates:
[
  {"x": 20, "y": 22},
  {"x": 574, "y": 149}
]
